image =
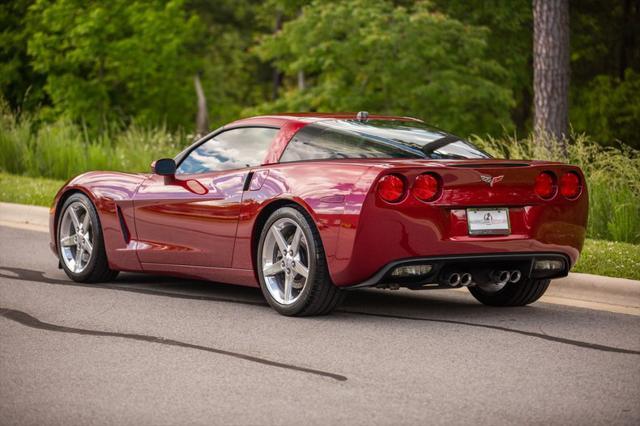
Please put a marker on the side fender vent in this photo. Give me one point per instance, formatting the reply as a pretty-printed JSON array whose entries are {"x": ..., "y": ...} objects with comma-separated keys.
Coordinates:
[
  {"x": 123, "y": 225},
  {"x": 247, "y": 181}
]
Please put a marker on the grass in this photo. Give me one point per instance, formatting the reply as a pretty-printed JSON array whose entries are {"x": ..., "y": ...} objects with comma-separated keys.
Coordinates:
[
  {"x": 610, "y": 258},
  {"x": 613, "y": 259},
  {"x": 62, "y": 149},
  {"x": 28, "y": 190}
]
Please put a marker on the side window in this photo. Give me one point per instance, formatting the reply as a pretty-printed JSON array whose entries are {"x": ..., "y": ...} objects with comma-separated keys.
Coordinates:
[{"x": 233, "y": 149}]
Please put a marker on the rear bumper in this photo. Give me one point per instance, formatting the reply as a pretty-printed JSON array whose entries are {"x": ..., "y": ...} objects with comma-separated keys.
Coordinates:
[{"x": 473, "y": 264}]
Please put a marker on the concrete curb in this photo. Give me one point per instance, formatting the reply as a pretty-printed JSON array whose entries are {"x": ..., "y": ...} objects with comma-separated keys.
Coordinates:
[
  {"x": 35, "y": 218},
  {"x": 596, "y": 288},
  {"x": 584, "y": 290}
]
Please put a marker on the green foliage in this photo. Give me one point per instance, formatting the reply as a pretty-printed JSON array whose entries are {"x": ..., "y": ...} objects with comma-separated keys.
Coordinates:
[
  {"x": 608, "y": 108},
  {"x": 461, "y": 64},
  {"x": 509, "y": 26},
  {"x": 613, "y": 179},
  {"x": 116, "y": 60},
  {"x": 20, "y": 85},
  {"x": 363, "y": 55},
  {"x": 61, "y": 149},
  {"x": 15, "y": 139}
]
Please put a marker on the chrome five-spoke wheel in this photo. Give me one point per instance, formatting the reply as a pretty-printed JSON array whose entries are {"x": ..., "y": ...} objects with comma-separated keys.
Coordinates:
[
  {"x": 285, "y": 261},
  {"x": 76, "y": 237},
  {"x": 80, "y": 243},
  {"x": 292, "y": 267}
]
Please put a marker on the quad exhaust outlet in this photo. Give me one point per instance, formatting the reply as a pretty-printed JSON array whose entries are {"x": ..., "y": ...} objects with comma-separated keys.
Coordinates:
[
  {"x": 453, "y": 279},
  {"x": 500, "y": 277},
  {"x": 466, "y": 279}
]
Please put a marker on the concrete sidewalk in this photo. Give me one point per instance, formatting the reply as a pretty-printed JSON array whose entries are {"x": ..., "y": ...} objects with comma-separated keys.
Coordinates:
[{"x": 581, "y": 290}]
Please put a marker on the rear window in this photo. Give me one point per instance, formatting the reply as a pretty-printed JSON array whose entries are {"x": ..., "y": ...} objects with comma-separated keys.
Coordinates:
[{"x": 335, "y": 139}]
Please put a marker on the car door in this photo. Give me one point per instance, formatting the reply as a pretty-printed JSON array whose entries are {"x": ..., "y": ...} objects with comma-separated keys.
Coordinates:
[{"x": 192, "y": 219}]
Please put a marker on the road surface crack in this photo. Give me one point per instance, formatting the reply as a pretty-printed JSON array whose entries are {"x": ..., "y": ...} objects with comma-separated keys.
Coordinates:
[
  {"x": 543, "y": 336},
  {"x": 30, "y": 321}
]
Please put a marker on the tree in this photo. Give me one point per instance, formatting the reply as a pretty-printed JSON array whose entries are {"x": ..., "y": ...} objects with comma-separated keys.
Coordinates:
[
  {"x": 117, "y": 61},
  {"x": 202, "y": 118},
  {"x": 551, "y": 68},
  {"x": 375, "y": 56},
  {"x": 509, "y": 27},
  {"x": 20, "y": 85}
]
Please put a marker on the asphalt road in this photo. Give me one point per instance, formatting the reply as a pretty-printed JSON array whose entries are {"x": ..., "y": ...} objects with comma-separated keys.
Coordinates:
[{"x": 153, "y": 350}]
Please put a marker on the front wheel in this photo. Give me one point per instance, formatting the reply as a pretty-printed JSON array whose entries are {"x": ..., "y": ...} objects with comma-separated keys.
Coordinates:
[
  {"x": 80, "y": 242},
  {"x": 292, "y": 267},
  {"x": 521, "y": 293}
]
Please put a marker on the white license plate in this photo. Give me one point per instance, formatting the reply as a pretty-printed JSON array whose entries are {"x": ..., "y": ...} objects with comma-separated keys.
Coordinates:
[{"x": 488, "y": 221}]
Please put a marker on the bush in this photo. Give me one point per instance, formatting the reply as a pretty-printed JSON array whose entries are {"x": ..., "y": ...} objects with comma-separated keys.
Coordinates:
[
  {"x": 613, "y": 179},
  {"x": 62, "y": 149}
]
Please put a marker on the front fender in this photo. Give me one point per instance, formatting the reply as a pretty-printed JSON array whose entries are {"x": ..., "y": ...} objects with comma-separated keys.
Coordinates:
[{"x": 111, "y": 193}]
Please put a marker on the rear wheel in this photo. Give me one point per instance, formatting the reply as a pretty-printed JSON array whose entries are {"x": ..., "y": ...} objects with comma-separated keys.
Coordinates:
[
  {"x": 521, "y": 293},
  {"x": 292, "y": 267},
  {"x": 80, "y": 242}
]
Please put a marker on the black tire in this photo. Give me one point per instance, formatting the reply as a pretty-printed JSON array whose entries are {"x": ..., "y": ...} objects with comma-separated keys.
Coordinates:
[
  {"x": 512, "y": 294},
  {"x": 97, "y": 269},
  {"x": 319, "y": 296}
]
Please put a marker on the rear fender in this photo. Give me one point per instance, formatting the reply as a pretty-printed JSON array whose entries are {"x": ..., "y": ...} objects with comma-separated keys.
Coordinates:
[{"x": 322, "y": 189}]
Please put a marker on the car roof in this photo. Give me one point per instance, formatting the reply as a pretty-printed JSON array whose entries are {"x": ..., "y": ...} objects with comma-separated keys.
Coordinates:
[{"x": 308, "y": 117}]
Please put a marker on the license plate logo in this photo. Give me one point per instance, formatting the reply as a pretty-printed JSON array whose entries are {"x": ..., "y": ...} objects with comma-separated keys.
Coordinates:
[{"x": 488, "y": 221}]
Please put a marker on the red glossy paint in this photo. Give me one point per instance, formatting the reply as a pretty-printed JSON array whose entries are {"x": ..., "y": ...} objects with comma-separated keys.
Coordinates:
[{"x": 206, "y": 226}]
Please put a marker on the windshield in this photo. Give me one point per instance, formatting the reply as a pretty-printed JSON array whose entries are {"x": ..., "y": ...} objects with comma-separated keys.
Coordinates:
[{"x": 334, "y": 139}]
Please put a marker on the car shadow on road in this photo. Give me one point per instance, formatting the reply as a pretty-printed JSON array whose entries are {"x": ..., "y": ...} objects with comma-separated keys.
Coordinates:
[
  {"x": 450, "y": 303},
  {"x": 370, "y": 299}
]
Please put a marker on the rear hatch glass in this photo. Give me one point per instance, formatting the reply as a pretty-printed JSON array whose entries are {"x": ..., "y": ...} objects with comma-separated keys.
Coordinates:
[{"x": 336, "y": 139}]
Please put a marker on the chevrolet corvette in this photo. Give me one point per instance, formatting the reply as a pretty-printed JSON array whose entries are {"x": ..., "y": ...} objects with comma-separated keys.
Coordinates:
[{"x": 309, "y": 206}]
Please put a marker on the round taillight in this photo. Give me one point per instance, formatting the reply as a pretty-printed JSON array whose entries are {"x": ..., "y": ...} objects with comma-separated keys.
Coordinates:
[
  {"x": 391, "y": 188},
  {"x": 570, "y": 186},
  {"x": 545, "y": 185},
  {"x": 426, "y": 187}
]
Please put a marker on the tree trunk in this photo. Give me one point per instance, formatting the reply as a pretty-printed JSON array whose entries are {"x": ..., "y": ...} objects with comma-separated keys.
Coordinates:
[
  {"x": 630, "y": 15},
  {"x": 202, "y": 119},
  {"x": 551, "y": 68}
]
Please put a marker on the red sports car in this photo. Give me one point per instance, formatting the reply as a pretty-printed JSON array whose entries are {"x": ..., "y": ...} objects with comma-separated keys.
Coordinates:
[{"x": 307, "y": 206}]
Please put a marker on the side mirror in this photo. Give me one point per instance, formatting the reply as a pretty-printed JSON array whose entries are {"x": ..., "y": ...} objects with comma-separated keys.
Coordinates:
[{"x": 164, "y": 167}]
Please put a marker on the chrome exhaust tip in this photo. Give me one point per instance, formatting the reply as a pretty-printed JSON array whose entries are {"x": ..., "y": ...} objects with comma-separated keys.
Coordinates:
[
  {"x": 500, "y": 277},
  {"x": 466, "y": 279},
  {"x": 453, "y": 279},
  {"x": 516, "y": 275}
]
